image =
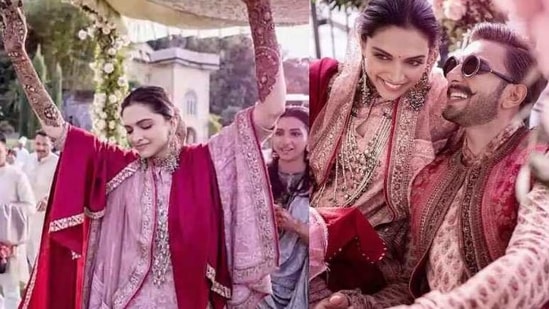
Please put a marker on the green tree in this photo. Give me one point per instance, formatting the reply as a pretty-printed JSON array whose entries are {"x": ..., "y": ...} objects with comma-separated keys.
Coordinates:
[
  {"x": 9, "y": 108},
  {"x": 54, "y": 24},
  {"x": 234, "y": 84},
  {"x": 25, "y": 113},
  {"x": 6, "y": 128},
  {"x": 56, "y": 89},
  {"x": 214, "y": 124},
  {"x": 28, "y": 122}
]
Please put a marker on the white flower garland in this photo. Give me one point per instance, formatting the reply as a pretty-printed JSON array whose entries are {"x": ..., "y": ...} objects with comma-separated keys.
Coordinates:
[{"x": 111, "y": 86}]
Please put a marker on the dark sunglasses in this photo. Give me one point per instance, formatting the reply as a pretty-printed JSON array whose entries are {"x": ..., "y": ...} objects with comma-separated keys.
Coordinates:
[{"x": 471, "y": 66}]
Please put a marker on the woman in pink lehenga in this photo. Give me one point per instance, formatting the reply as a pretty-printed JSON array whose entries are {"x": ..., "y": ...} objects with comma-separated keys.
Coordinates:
[
  {"x": 376, "y": 122},
  {"x": 164, "y": 225}
]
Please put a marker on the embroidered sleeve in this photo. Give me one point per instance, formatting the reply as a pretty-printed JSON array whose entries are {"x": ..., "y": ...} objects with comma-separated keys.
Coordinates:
[
  {"x": 269, "y": 74},
  {"x": 397, "y": 272},
  {"x": 519, "y": 279}
]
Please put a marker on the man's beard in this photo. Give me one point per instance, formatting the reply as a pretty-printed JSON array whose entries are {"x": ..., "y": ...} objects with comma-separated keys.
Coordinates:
[
  {"x": 42, "y": 154},
  {"x": 480, "y": 110}
]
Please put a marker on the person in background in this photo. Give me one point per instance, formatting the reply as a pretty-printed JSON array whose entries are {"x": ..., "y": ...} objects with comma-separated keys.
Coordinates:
[
  {"x": 22, "y": 153},
  {"x": 16, "y": 204},
  {"x": 40, "y": 169},
  {"x": 290, "y": 183}
]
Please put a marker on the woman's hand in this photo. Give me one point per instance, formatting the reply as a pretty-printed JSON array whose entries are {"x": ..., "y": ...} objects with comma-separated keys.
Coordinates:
[
  {"x": 284, "y": 220},
  {"x": 14, "y": 26}
]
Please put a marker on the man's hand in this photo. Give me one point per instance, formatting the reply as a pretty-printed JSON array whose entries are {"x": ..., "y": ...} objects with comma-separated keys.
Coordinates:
[
  {"x": 42, "y": 204},
  {"x": 539, "y": 164},
  {"x": 335, "y": 301}
]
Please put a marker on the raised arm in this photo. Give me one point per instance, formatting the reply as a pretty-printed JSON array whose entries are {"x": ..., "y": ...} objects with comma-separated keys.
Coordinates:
[
  {"x": 14, "y": 31},
  {"x": 269, "y": 73}
]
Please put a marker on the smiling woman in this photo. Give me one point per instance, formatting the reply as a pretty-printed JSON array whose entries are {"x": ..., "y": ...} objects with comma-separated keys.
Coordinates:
[
  {"x": 163, "y": 225},
  {"x": 289, "y": 175},
  {"x": 376, "y": 122}
]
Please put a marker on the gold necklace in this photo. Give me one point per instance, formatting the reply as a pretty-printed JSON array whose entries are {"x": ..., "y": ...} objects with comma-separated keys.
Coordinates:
[{"x": 355, "y": 168}]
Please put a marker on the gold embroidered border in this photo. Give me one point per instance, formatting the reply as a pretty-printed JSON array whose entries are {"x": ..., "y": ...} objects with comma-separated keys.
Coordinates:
[
  {"x": 95, "y": 215},
  {"x": 91, "y": 250},
  {"x": 128, "y": 171},
  {"x": 467, "y": 222},
  {"x": 216, "y": 286},
  {"x": 260, "y": 191},
  {"x": 65, "y": 223},
  {"x": 31, "y": 284},
  {"x": 474, "y": 245},
  {"x": 439, "y": 202},
  {"x": 399, "y": 175},
  {"x": 124, "y": 294},
  {"x": 326, "y": 133}
]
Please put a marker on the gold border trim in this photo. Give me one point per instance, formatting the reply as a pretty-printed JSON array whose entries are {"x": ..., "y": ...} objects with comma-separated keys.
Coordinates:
[
  {"x": 216, "y": 286},
  {"x": 67, "y": 222},
  {"x": 95, "y": 215}
]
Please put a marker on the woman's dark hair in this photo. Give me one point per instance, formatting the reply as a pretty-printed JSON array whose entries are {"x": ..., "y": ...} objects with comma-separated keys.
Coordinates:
[
  {"x": 152, "y": 96},
  {"x": 280, "y": 192},
  {"x": 417, "y": 14}
]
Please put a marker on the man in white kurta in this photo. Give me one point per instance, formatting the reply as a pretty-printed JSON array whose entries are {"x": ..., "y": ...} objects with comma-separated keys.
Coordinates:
[
  {"x": 22, "y": 154},
  {"x": 15, "y": 191},
  {"x": 40, "y": 169}
]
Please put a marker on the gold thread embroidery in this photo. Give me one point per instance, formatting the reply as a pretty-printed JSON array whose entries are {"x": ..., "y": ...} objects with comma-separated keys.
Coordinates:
[
  {"x": 65, "y": 223},
  {"x": 261, "y": 192},
  {"x": 475, "y": 249},
  {"x": 93, "y": 243},
  {"x": 356, "y": 168},
  {"x": 123, "y": 295},
  {"x": 216, "y": 286},
  {"x": 399, "y": 174},
  {"x": 95, "y": 215},
  {"x": 128, "y": 171}
]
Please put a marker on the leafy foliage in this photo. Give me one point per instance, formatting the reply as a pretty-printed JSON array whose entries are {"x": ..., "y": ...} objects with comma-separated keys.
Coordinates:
[{"x": 54, "y": 26}]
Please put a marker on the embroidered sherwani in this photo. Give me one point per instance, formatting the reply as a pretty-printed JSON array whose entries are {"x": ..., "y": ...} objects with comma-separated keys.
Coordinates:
[
  {"x": 397, "y": 141},
  {"x": 478, "y": 247}
]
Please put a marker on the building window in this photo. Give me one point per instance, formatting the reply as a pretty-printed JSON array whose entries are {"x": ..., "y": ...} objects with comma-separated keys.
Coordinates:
[
  {"x": 191, "y": 103},
  {"x": 191, "y": 135}
]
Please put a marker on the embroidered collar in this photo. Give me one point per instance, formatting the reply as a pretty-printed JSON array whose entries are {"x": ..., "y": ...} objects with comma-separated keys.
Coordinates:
[
  {"x": 169, "y": 163},
  {"x": 471, "y": 159}
]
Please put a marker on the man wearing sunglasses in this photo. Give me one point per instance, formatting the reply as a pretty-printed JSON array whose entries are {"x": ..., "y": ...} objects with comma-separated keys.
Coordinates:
[{"x": 474, "y": 245}]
